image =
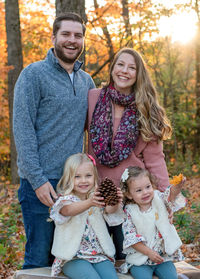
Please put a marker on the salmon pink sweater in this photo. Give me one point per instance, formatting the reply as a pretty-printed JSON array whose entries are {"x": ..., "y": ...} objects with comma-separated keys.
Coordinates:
[{"x": 147, "y": 155}]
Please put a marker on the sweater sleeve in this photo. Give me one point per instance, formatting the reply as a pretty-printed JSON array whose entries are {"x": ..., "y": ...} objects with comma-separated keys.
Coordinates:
[
  {"x": 154, "y": 160},
  {"x": 92, "y": 84},
  {"x": 26, "y": 102}
]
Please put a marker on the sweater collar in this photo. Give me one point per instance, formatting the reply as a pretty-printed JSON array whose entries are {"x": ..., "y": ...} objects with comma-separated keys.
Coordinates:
[{"x": 52, "y": 59}]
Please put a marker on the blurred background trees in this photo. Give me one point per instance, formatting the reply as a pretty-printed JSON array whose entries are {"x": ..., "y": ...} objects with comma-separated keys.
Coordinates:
[{"x": 111, "y": 25}]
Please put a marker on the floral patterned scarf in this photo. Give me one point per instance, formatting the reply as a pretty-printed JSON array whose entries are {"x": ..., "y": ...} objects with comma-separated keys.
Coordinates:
[{"x": 109, "y": 151}]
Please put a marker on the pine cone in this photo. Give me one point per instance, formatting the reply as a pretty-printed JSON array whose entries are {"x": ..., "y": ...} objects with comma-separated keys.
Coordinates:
[{"x": 108, "y": 191}]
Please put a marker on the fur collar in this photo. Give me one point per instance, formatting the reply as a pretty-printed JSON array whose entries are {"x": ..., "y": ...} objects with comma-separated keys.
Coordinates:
[
  {"x": 68, "y": 236},
  {"x": 146, "y": 223}
]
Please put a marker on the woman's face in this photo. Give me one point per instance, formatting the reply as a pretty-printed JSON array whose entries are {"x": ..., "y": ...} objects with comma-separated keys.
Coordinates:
[{"x": 124, "y": 73}]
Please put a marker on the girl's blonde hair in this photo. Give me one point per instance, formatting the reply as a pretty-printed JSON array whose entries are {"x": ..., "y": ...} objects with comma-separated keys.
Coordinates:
[
  {"x": 66, "y": 184},
  {"x": 132, "y": 173},
  {"x": 152, "y": 117}
]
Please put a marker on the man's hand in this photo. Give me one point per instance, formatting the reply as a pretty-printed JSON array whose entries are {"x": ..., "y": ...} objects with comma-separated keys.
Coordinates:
[{"x": 45, "y": 194}]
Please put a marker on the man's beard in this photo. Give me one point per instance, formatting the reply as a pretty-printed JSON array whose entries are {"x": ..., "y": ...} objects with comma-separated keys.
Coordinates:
[{"x": 63, "y": 57}]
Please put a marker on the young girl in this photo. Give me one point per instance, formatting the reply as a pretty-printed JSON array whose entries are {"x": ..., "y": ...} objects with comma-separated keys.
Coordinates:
[
  {"x": 82, "y": 245},
  {"x": 151, "y": 243}
]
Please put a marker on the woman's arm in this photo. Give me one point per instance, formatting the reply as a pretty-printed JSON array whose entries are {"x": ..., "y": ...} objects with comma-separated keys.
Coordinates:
[{"x": 154, "y": 160}]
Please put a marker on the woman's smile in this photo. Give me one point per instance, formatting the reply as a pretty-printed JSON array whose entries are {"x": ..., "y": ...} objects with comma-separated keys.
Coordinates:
[{"x": 124, "y": 73}]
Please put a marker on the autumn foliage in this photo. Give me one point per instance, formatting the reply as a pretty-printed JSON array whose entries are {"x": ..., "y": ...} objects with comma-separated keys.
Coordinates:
[
  {"x": 109, "y": 28},
  {"x": 172, "y": 66}
]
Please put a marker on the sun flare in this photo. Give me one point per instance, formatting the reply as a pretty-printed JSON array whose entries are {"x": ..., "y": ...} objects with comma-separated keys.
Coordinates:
[{"x": 181, "y": 27}]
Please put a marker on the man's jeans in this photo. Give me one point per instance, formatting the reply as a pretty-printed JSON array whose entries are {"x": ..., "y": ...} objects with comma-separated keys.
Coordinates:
[{"x": 39, "y": 232}]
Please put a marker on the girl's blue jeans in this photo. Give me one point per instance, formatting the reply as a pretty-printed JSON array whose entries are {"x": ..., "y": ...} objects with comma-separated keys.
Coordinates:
[
  {"x": 82, "y": 269},
  {"x": 164, "y": 270},
  {"x": 39, "y": 232}
]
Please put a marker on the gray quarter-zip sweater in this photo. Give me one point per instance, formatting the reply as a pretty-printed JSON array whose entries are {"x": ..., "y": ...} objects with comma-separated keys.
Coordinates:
[{"x": 48, "y": 118}]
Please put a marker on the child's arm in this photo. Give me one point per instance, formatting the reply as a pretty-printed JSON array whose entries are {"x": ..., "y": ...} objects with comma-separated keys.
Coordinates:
[
  {"x": 175, "y": 190},
  {"x": 76, "y": 208},
  {"x": 111, "y": 209},
  {"x": 152, "y": 255},
  {"x": 135, "y": 240}
]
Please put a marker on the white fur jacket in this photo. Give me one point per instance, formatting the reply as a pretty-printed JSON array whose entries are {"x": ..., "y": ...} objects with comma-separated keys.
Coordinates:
[
  {"x": 68, "y": 235},
  {"x": 146, "y": 224}
]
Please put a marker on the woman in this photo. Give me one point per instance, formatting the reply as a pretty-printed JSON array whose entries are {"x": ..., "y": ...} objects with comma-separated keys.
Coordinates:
[{"x": 127, "y": 125}]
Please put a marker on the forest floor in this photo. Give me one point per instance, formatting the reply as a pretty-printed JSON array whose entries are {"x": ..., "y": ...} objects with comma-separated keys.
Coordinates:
[{"x": 12, "y": 236}]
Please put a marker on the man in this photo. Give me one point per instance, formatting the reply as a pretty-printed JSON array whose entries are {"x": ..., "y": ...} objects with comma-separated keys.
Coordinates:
[{"x": 50, "y": 107}]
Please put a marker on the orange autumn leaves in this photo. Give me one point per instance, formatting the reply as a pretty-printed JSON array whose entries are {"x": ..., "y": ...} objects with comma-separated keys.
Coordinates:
[{"x": 176, "y": 179}]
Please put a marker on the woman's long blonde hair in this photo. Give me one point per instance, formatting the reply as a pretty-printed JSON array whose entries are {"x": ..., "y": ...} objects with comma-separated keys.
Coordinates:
[
  {"x": 65, "y": 185},
  {"x": 152, "y": 117}
]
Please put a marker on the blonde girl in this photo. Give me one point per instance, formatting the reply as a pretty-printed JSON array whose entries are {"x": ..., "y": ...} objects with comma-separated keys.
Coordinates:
[
  {"x": 82, "y": 245},
  {"x": 151, "y": 243}
]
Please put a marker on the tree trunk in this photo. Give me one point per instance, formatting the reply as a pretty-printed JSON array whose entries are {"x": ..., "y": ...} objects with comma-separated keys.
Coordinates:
[
  {"x": 16, "y": 60},
  {"x": 105, "y": 32},
  {"x": 197, "y": 51},
  {"x": 77, "y": 6},
  {"x": 125, "y": 14}
]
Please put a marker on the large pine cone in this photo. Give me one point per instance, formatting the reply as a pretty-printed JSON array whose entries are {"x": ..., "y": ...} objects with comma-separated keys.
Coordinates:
[{"x": 108, "y": 191}]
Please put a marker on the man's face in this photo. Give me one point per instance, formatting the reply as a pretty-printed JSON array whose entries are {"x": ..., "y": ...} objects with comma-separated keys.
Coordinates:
[{"x": 68, "y": 42}]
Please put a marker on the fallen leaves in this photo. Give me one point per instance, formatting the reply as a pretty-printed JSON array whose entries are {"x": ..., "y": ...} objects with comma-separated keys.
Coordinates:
[{"x": 12, "y": 246}]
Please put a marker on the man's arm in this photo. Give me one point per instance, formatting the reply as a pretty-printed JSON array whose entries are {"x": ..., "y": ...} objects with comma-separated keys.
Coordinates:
[{"x": 26, "y": 102}]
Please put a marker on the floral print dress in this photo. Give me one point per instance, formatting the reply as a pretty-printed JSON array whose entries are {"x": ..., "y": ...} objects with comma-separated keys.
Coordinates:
[
  {"x": 90, "y": 248},
  {"x": 131, "y": 237}
]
